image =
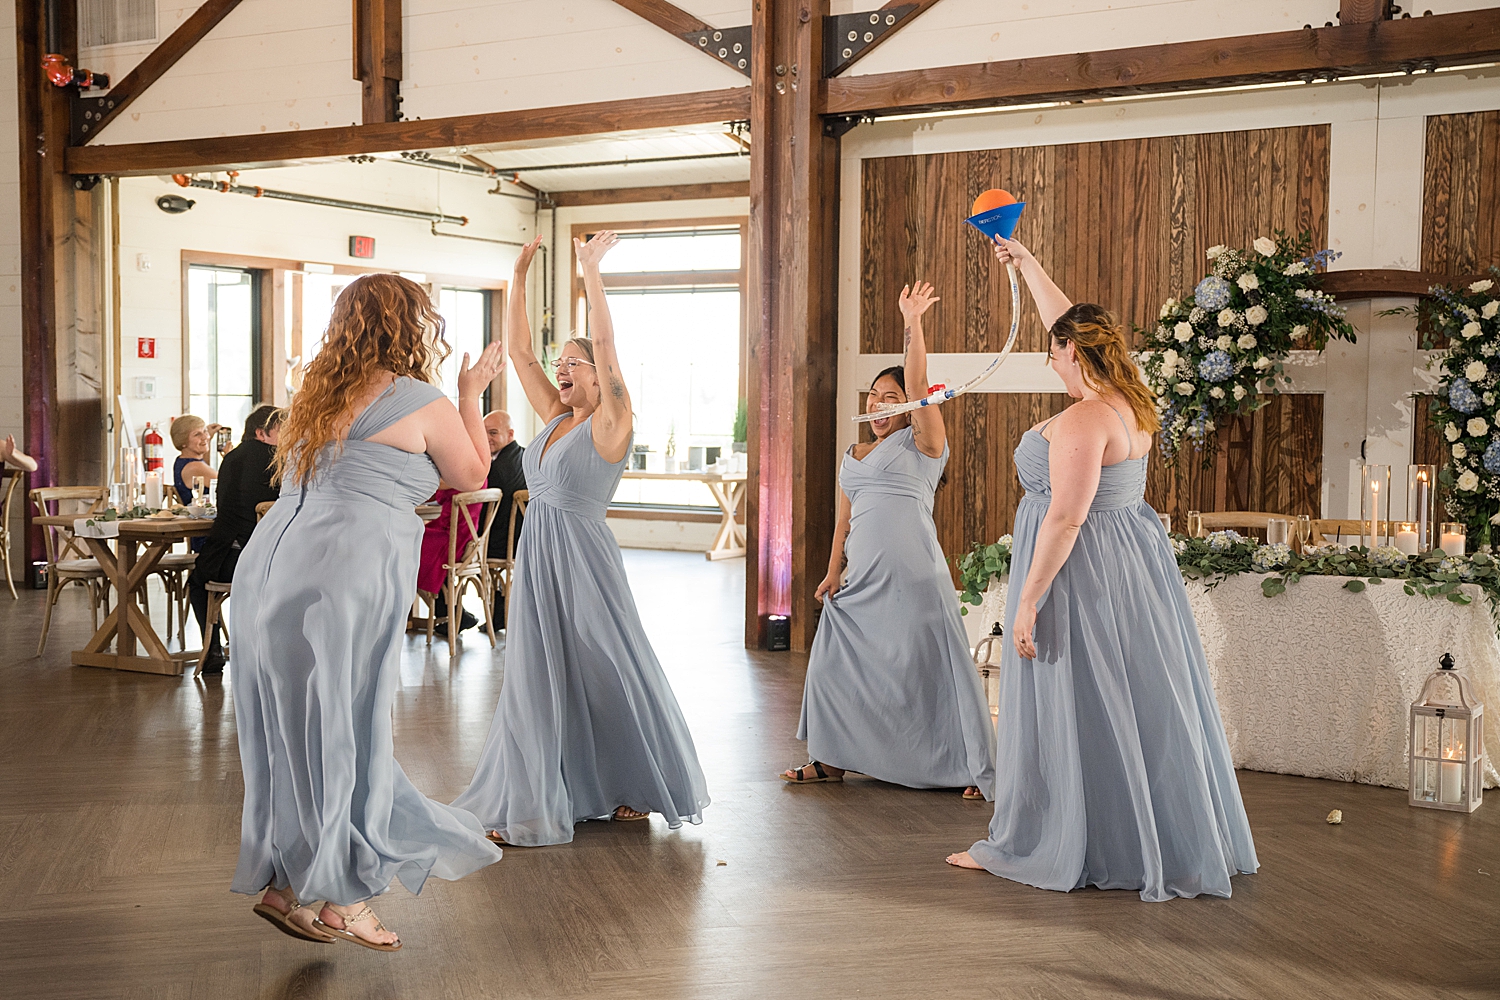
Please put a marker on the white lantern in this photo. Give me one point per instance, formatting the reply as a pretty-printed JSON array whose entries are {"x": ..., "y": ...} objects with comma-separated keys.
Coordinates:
[
  {"x": 1447, "y": 743},
  {"x": 987, "y": 660}
]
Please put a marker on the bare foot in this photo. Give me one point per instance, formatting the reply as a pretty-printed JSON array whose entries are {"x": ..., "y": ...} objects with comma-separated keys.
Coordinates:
[
  {"x": 809, "y": 773},
  {"x": 284, "y": 901},
  {"x": 973, "y": 792},
  {"x": 358, "y": 920},
  {"x": 627, "y": 813},
  {"x": 963, "y": 860}
]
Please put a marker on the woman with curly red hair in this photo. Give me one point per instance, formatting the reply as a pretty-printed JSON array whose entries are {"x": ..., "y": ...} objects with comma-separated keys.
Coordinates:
[{"x": 321, "y": 594}]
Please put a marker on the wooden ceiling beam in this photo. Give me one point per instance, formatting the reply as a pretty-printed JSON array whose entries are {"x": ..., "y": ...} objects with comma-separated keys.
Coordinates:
[
  {"x": 277, "y": 149},
  {"x": 377, "y": 58},
  {"x": 1382, "y": 282},
  {"x": 104, "y": 108},
  {"x": 663, "y": 192},
  {"x": 1382, "y": 46},
  {"x": 668, "y": 17},
  {"x": 729, "y": 46},
  {"x": 1364, "y": 11}
]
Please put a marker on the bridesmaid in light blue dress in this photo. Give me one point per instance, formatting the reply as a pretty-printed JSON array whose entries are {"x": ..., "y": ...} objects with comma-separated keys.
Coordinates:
[
  {"x": 321, "y": 595},
  {"x": 1112, "y": 767},
  {"x": 587, "y": 726},
  {"x": 891, "y": 690}
]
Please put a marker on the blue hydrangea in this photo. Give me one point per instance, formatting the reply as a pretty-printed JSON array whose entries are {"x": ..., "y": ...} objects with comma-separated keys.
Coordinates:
[
  {"x": 1492, "y": 456},
  {"x": 1215, "y": 366},
  {"x": 1223, "y": 541},
  {"x": 1212, "y": 293},
  {"x": 1461, "y": 396}
]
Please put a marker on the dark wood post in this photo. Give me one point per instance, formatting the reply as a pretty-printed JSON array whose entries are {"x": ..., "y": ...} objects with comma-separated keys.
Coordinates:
[
  {"x": 377, "y": 58},
  {"x": 793, "y": 336}
]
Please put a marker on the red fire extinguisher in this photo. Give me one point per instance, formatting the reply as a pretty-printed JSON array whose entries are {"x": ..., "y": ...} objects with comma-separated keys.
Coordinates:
[{"x": 151, "y": 449}]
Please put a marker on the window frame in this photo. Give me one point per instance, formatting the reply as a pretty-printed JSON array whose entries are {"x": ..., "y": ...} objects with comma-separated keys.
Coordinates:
[{"x": 259, "y": 280}]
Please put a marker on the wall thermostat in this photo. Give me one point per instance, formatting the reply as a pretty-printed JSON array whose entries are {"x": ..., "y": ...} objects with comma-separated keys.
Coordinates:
[{"x": 145, "y": 387}]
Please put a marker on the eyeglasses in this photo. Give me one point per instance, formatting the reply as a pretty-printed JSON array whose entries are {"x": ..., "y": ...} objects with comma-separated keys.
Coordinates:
[{"x": 568, "y": 364}]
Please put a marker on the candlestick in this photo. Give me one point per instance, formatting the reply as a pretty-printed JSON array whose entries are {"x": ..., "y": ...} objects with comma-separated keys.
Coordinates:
[
  {"x": 1424, "y": 529},
  {"x": 1374, "y": 513}
]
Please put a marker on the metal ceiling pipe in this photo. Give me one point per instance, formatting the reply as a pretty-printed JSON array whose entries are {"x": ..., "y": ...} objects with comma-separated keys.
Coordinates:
[
  {"x": 534, "y": 168},
  {"x": 476, "y": 239},
  {"x": 466, "y": 169},
  {"x": 228, "y": 187}
]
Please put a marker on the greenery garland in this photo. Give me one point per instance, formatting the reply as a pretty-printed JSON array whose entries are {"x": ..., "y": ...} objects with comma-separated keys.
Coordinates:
[{"x": 1220, "y": 351}]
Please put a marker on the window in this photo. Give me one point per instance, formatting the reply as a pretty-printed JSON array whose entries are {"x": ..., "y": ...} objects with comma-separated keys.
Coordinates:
[
  {"x": 223, "y": 343},
  {"x": 466, "y": 325},
  {"x": 674, "y": 296}
]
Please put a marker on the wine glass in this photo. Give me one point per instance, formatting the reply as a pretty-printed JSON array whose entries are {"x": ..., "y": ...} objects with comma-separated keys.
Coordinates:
[
  {"x": 1194, "y": 524},
  {"x": 200, "y": 489},
  {"x": 1304, "y": 531}
]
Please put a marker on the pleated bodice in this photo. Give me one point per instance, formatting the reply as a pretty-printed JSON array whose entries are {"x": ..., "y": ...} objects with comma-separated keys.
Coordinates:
[
  {"x": 571, "y": 475},
  {"x": 1120, "y": 485}
]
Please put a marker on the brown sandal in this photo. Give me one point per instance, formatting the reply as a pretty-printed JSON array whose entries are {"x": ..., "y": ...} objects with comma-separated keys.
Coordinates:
[
  {"x": 800, "y": 778},
  {"x": 973, "y": 794},
  {"x": 283, "y": 923},
  {"x": 365, "y": 913},
  {"x": 634, "y": 815}
]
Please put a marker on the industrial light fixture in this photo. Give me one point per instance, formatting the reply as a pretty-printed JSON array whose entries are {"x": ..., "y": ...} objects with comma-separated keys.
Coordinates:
[{"x": 174, "y": 204}]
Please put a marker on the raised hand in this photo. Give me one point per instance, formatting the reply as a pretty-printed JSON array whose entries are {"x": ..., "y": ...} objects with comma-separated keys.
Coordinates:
[
  {"x": 589, "y": 254},
  {"x": 917, "y": 299},
  {"x": 523, "y": 260},
  {"x": 7, "y": 448},
  {"x": 1011, "y": 252},
  {"x": 472, "y": 380}
]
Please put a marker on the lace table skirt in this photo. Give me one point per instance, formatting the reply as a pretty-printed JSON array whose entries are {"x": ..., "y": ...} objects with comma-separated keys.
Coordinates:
[{"x": 1319, "y": 681}]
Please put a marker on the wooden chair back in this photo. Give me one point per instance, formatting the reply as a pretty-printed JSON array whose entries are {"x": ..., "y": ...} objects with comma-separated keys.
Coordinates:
[
  {"x": 61, "y": 544},
  {"x": 1349, "y": 532},
  {"x": 517, "y": 510},
  {"x": 1246, "y": 520},
  {"x": 471, "y": 561}
]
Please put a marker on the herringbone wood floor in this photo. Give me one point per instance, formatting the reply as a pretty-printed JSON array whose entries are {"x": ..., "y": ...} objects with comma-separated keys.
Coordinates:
[{"x": 119, "y": 826}]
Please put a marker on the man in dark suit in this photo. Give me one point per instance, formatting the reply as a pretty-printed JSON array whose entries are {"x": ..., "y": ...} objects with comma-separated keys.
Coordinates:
[
  {"x": 245, "y": 479},
  {"x": 507, "y": 476}
]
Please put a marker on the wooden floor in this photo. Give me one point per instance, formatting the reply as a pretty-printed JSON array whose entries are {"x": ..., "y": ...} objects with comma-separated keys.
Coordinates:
[{"x": 119, "y": 828}]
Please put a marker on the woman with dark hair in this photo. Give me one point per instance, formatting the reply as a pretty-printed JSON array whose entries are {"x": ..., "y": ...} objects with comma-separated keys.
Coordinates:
[
  {"x": 1113, "y": 769},
  {"x": 321, "y": 594},
  {"x": 587, "y": 726},
  {"x": 891, "y": 691}
]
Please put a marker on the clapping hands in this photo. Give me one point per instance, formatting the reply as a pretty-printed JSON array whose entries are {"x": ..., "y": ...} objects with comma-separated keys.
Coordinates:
[{"x": 472, "y": 379}]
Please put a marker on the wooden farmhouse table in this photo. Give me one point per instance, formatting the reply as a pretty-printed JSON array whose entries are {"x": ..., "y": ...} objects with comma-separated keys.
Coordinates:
[
  {"x": 728, "y": 488},
  {"x": 138, "y": 548}
]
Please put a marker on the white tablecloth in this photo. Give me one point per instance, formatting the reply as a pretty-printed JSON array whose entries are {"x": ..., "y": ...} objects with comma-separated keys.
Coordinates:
[{"x": 1319, "y": 681}]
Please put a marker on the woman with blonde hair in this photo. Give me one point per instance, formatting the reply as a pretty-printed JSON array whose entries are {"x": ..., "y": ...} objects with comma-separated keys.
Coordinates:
[
  {"x": 587, "y": 726},
  {"x": 1112, "y": 769},
  {"x": 192, "y": 436},
  {"x": 321, "y": 594}
]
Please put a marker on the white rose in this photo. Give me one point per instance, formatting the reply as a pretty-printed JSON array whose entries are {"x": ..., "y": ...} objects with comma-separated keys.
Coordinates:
[
  {"x": 1477, "y": 427},
  {"x": 1303, "y": 293},
  {"x": 1168, "y": 308},
  {"x": 1214, "y": 253},
  {"x": 1452, "y": 432},
  {"x": 1468, "y": 313},
  {"x": 1224, "y": 343},
  {"x": 1168, "y": 357},
  {"x": 1490, "y": 309},
  {"x": 1208, "y": 425},
  {"x": 1471, "y": 330},
  {"x": 1467, "y": 481},
  {"x": 1482, "y": 285},
  {"x": 1476, "y": 370},
  {"x": 1246, "y": 341},
  {"x": 1262, "y": 363},
  {"x": 1265, "y": 246},
  {"x": 1256, "y": 315},
  {"x": 1459, "y": 451},
  {"x": 1489, "y": 399},
  {"x": 1216, "y": 392},
  {"x": 1299, "y": 332},
  {"x": 1184, "y": 388},
  {"x": 1239, "y": 392},
  {"x": 1183, "y": 332},
  {"x": 1226, "y": 317},
  {"x": 1295, "y": 268},
  {"x": 1248, "y": 282}
]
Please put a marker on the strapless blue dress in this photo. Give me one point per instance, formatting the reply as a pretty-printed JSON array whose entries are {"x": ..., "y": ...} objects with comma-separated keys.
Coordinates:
[{"x": 1112, "y": 769}]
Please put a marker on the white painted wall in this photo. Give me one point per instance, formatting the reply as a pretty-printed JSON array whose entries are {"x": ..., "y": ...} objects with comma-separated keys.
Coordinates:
[{"x": 1377, "y": 131}]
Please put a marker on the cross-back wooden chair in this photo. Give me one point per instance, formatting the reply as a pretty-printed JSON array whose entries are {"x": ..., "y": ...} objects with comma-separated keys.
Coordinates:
[
  {"x": 501, "y": 570},
  {"x": 9, "y": 480},
  {"x": 68, "y": 560},
  {"x": 1243, "y": 520},
  {"x": 1330, "y": 530},
  {"x": 469, "y": 568},
  {"x": 218, "y": 593}
]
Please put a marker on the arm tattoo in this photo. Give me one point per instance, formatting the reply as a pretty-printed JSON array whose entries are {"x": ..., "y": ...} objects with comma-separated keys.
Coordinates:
[
  {"x": 906, "y": 344},
  {"x": 616, "y": 387}
]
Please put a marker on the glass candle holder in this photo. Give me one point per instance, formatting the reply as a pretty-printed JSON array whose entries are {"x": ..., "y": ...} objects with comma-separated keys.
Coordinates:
[
  {"x": 1374, "y": 504},
  {"x": 1421, "y": 503},
  {"x": 1452, "y": 540}
]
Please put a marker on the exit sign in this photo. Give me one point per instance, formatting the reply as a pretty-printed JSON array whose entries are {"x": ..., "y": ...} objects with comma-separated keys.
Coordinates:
[{"x": 362, "y": 246}]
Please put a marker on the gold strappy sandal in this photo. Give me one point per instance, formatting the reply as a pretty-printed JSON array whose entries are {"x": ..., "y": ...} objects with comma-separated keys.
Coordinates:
[
  {"x": 365, "y": 913},
  {"x": 283, "y": 922}
]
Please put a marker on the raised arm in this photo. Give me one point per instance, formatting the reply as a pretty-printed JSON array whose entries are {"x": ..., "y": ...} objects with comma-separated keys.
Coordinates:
[
  {"x": 456, "y": 439},
  {"x": 1076, "y": 455},
  {"x": 540, "y": 392},
  {"x": 15, "y": 456},
  {"x": 834, "y": 580},
  {"x": 927, "y": 423},
  {"x": 613, "y": 420},
  {"x": 1050, "y": 300}
]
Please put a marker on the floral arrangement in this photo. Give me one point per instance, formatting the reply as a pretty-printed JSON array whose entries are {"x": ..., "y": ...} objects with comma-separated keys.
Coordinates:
[
  {"x": 1220, "y": 351},
  {"x": 1466, "y": 409},
  {"x": 982, "y": 564}
]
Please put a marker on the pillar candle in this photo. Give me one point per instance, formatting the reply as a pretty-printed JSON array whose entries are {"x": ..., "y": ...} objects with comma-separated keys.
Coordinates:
[
  {"x": 1452, "y": 782},
  {"x": 1406, "y": 541},
  {"x": 153, "y": 490},
  {"x": 1451, "y": 544}
]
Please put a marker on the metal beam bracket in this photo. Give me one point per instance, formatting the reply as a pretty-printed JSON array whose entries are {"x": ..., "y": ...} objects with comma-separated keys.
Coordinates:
[
  {"x": 836, "y": 126},
  {"x": 87, "y": 114},
  {"x": 846, "y": 36},
  {"x": 731, "y": 46}
]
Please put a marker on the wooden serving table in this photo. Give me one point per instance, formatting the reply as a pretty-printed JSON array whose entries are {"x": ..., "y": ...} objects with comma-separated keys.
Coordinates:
[
  {"x": 140, "y": 545},
  {"x": 728, "y": 488}
]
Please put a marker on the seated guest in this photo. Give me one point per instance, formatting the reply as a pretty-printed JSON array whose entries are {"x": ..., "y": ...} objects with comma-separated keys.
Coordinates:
[
  {"x": 431, "y": 576},
  {"x": 245, "y": 479},
  {"x": 507, "y": 476},
  {"x": 13, "y": 456},
  {"x": 192, "y": 438}
]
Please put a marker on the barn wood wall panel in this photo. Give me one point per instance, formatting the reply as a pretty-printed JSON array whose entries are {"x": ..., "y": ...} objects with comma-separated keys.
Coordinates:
[
  {"x": 1123, "y": 223},
  {"x": 1461, "y": 193}
]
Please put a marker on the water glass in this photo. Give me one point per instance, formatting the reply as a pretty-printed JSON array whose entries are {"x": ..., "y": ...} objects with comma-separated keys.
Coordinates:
[
  {"x": 200, "y": 489},
  {"x": 1278, "y": 531},
  {"x": 1166, "y": 522}
]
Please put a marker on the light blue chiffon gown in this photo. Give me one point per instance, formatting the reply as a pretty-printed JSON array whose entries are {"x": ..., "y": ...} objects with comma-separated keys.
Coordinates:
[
  {"x": 586, "y": 721},
  {"x": 891, "y": 690},
  {"x": 1112, "y": 768},
  {"x": 321, "y": 595}
]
